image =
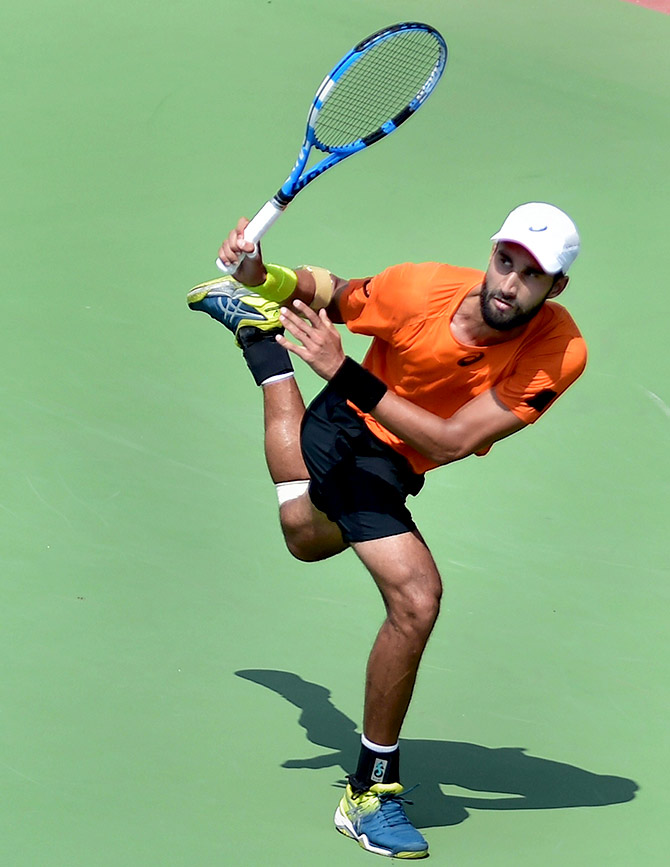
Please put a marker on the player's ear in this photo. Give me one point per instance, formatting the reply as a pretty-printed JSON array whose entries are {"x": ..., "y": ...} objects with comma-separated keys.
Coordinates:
[{"x": 559, "y": 286}]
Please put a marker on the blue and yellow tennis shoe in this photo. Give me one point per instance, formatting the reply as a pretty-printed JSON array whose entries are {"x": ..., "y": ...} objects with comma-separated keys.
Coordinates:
[
  {"x": 234, "y": 305},
  {"x": 376, "y": 819}
]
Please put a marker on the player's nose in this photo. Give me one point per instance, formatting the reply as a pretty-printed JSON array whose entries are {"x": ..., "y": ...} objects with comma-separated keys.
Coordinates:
[{"x": 510, "y": 284}]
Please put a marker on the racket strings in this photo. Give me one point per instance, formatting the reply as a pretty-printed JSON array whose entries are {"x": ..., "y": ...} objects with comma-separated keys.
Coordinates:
[{"x": 381, "y": 83}]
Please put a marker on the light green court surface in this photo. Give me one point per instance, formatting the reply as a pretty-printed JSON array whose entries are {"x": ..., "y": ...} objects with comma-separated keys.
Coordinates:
[{"x": 176, "y": 690}]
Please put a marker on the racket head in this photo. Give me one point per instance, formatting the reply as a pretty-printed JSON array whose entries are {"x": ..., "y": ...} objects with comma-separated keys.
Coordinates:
[{"x": 376, "y": 87}]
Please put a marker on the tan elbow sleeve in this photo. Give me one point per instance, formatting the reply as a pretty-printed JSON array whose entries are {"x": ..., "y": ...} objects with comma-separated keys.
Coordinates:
[{"x": 323, "y": 286}]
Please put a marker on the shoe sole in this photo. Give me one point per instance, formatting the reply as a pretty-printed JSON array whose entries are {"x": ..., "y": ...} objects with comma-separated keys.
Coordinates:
[
  {"x": 202, "y": 290},
  {"x": 344, "y": 826}
]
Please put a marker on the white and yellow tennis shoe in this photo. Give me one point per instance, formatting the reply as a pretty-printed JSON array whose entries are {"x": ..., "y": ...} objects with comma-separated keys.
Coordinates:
[{"x": 376, "y": 819}]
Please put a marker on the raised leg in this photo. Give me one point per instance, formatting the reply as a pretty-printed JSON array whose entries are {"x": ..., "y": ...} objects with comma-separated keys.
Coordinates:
[{"x": 308, "y": 533}]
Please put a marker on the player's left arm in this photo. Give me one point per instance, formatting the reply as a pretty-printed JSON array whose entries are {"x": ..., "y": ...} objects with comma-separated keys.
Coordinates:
[
  {"x": 517, "y": 400},
  {"x": 474, "y": 427}
]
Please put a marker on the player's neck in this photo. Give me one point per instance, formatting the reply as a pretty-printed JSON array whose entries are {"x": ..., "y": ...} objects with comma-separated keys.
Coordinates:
[{"x": 468, "y": 325}]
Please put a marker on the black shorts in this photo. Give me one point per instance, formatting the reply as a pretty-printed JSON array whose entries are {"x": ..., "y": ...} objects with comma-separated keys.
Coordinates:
[{"x": 357, "y": 480}]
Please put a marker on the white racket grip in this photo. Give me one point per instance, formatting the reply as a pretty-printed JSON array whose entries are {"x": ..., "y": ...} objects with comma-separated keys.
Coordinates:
[{"x": 257, "y": 227}]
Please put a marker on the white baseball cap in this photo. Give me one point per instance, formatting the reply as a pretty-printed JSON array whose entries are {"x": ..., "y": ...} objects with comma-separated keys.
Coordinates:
[{"x": 546, "y": 232}]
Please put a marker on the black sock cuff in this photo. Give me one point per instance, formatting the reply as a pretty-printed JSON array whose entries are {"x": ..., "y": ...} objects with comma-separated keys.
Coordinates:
[
  {"x": 375, "y": 768},
  {"x": 263, "y": 355}
]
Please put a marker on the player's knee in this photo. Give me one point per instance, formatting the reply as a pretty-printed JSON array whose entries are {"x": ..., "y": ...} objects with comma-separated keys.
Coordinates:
[
  {"x": 426, "y": 610},
  {"x": 309, "y": 549},
  {"x": 294, "y": 517},
  {"x": 417, "y": 607},
  {"x": 301, "y": 546},
  {"x": 295, "y": 537},
  {"x": 308, "y": 543}
]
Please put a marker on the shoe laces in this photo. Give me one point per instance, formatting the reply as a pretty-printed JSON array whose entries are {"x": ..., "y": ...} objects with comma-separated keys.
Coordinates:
[{"x": 392, "y": 807}]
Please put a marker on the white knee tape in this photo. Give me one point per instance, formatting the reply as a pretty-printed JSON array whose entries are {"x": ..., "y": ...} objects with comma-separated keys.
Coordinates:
[{"x": 291, "y": 490}]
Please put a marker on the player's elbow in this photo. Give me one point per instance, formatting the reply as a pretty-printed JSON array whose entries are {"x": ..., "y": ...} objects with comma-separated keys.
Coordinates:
[
  {"x": 452, "y": 446},
  {"x": 448, "y": 456},
  {"x": 446, "y": 452}
]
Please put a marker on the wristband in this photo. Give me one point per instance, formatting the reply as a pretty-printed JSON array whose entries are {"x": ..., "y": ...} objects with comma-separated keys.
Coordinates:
[
  {"x": 358, "y": 385},
  {"x": 279, "y": 283}
]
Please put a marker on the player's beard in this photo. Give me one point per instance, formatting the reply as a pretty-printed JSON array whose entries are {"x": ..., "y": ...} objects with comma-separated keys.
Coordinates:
[{"x": 508, "y": 319}]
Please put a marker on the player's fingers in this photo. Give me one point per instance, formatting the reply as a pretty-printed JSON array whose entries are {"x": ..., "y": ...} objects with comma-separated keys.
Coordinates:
[
  {"x": 239, "y": 242},
  {"x": 294, "y": 322},
  {"x": 225, "y": 256},
  {"x": 246, "y": 246},
  {"x": 229, "y": 250},
  {"x": 234, "y": 238},
  {"x": 298, "y": 334},
  {"x": 325, "y": 319},
  {"x": 307, "y": 313},
  {"x": 292, "y": 347}
]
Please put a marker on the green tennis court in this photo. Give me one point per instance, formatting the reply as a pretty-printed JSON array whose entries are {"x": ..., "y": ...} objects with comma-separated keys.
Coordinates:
[{"x": 176, "y": 689}]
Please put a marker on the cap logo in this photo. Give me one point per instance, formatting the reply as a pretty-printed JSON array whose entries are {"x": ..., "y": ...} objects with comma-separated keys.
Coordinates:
[{"x": 537, "y": 229}]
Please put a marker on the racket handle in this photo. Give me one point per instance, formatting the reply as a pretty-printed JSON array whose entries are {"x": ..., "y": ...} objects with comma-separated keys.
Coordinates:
[{"x": 257, "y": 227}]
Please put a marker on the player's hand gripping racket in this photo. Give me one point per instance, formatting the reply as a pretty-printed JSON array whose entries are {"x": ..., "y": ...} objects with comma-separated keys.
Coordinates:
[{"x": 372, "y": 90}]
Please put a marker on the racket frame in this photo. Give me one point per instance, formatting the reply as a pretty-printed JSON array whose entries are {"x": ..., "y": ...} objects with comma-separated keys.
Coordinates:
[{"x": 296, "y": 181}]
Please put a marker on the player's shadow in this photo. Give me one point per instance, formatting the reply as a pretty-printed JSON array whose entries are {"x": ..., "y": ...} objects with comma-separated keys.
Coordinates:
[{"x": 511, "y": 779}]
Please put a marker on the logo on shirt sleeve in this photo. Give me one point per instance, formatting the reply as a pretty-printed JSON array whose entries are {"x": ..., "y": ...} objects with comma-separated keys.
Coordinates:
[{"x": 542, "y": 399}]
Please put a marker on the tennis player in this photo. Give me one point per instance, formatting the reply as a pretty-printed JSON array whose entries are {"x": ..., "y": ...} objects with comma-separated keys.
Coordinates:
[{"x": 459, "y": 359}]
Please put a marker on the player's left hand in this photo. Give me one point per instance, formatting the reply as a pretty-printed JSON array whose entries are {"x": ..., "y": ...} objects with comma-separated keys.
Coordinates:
[{"x": 319, "y": 345}]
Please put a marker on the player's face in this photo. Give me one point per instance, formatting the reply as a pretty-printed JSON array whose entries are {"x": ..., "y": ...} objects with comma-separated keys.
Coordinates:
[{"x": 515, "y": 287}]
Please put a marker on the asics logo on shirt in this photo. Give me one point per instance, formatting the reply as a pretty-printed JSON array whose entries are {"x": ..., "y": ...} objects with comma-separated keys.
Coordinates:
[{"x": 470, "y": 359}]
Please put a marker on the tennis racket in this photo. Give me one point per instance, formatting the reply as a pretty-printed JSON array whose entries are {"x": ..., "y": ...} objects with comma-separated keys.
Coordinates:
[{"x": 376, "y": 86}]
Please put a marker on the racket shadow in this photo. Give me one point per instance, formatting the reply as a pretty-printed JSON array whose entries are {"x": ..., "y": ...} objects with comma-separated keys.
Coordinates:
[{"x": 502, "y": 778}]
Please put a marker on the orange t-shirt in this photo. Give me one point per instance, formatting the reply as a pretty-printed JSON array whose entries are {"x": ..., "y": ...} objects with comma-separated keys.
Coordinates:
[{"x": 408, "y": 309}]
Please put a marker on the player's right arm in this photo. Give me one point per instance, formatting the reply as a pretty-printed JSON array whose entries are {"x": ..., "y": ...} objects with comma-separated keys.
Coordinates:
[
  {"x": 319, "y": 289},
  {"x": 316, "y": 287}
]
